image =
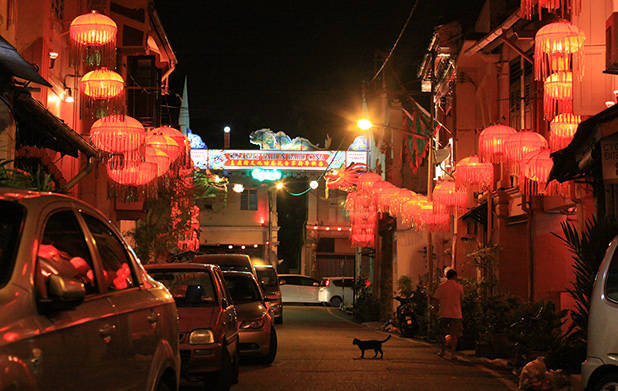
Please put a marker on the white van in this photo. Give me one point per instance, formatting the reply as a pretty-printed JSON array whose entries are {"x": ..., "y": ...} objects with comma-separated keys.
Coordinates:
[{"x": 600, "y": 370}]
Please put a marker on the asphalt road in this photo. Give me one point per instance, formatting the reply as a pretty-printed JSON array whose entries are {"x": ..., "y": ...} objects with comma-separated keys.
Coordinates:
[{"x": 316, "y": 353}]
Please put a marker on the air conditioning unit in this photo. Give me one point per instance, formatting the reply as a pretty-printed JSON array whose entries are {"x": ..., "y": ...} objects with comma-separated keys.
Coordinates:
[{"x": 611, "y": 44}]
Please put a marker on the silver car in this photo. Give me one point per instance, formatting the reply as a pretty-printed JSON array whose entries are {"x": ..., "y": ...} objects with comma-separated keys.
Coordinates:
[
  {"x": 78, "y": 309},
  {"x": 258, "y": 337}
]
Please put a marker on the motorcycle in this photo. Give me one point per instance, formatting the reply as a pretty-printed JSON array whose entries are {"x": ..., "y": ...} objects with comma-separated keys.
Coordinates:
[{"x": 406, "y": 319}]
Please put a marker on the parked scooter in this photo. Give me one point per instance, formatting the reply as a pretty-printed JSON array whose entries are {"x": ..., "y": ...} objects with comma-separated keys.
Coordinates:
[{"x": 406, "y": 318}]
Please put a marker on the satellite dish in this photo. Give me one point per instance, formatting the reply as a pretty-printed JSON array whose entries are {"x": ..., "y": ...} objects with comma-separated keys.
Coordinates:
[{"x": 441, "y": 155}]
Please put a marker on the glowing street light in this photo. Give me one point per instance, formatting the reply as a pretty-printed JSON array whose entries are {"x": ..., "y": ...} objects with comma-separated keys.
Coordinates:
[
  {"x": 226, "y": 137},
  {"x": 314, "y": 184},
  {"x": 364, "y": 124},
  {"x": 238, "y": 188},
  {"x": 279, "y": 185},
  {"x": 227, "y": 129}
]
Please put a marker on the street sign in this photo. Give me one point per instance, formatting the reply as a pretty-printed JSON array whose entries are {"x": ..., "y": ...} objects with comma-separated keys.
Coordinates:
[{"x": 230, "y": 159}]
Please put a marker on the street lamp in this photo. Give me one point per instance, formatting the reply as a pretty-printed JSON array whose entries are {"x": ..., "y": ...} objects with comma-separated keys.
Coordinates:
[
  {"x": 226, "y": 137},
  {"x": 314, "y": 184},
  {"x": 279, "y": 185},
  {"x": 364, "y": 124}
]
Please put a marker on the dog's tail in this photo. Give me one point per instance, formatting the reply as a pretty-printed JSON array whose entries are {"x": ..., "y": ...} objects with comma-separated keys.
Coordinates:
[{"x": 387, "y": 338}]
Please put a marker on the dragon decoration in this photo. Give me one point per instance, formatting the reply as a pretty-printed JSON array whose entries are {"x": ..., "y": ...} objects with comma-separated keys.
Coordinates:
[
  {"x": 344, "y": 178},
  {"x": 267, "y": 139}
]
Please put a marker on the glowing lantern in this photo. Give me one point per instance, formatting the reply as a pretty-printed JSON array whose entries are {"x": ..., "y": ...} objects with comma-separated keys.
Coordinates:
[
  {"x": 117, "y": 134},
  {"x": 527, "y": 6},
  {"x": 93, "y": 29},
  {"x": 446, "y": 196},
  {"x": 470, "y": 171},
  {"x": 179, "y": 138},
  {"x": 131, "y": 172},
  {"x": 366, "y": 181},
  {"x": 556, "y": 46},
  {"x": 522, "y": 143},
  {"x": 534, "y": 172},
  {"x": 433, "y": 221},
  {"x": 102, "y": 84},
  {"x": 158, "y": 157},
  {"x": 95, "y": 35},
  {"x": 562, "y": 129},
  {"x": 164, "y": 143},
  {"x": 492, "y": 141},
  {"x": 558, "y": 94}
]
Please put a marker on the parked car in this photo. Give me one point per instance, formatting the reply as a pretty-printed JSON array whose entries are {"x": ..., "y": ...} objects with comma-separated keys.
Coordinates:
[
  {"x": 296, "y": 288},
  {"x": 258, "y": 337},
  {"x": 269, "y": 282},
  {"x": 335, "y": 291},
  {"x": 208, "y": 322},
  {"x": 78, "y": 309},
  {"x": 228, "y": 262},
  {"x": 600, "y": 370}
]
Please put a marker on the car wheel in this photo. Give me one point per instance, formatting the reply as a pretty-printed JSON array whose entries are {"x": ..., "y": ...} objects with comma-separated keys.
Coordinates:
[
  {"x": 336, "y": 301},
  {"x": 272, "y": 349},
  {"x": 225, "y": 377},
  {"x": 607, "y": 383}
]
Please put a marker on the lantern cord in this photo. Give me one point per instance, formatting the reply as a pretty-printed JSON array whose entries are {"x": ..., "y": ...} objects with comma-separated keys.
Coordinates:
[{"x": 403, "y": 29}]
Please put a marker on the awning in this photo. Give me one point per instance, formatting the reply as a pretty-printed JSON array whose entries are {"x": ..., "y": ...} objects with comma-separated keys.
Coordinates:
[
  {"x": 478, "y": 214},
  {"x": 38, "y": 127},
  {"x": 578, "y": 158},
  {"x": 15, "y": 65}
]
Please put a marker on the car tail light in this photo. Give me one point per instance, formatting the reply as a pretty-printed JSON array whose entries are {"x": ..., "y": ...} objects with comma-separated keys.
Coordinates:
[{"x": 327, "y": 283}]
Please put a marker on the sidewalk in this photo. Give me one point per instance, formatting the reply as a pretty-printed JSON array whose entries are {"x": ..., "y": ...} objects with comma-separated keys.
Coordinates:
[{"x": 499, "y": 364}]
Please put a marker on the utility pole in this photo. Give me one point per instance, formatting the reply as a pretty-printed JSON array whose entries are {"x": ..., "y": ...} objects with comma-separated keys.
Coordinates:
[{"x": 430, "y": 192}]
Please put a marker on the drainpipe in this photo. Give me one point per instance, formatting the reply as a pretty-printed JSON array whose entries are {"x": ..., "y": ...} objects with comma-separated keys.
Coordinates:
[
  {"x": 165, "y": 79},
  {"x": 80, "y": 175}
]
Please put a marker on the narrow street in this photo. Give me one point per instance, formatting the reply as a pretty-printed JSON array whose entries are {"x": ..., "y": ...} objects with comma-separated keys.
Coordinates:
[{"x": 316, "y": 353}]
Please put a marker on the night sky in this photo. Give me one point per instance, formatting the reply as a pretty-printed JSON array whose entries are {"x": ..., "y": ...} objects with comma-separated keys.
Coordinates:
[{"x": 295, "y": 66}]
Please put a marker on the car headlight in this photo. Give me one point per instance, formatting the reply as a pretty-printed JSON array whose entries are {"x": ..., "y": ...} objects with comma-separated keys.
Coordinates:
[
  {"x": 201, "y": 337},
  {"x": 253, "y": 324}
]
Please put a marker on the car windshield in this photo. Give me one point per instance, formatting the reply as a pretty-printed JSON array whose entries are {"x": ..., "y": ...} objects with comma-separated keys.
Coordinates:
[
  {"x": 11, "y": 216},
  {"x": 190, "y": 288},
  {"x": 267, "y": 276},
  {"x": 242, "y": 289}
]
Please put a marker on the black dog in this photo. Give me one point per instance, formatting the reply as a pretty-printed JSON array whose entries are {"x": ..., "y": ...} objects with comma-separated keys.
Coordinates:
[{"x": 368, "y": 345}]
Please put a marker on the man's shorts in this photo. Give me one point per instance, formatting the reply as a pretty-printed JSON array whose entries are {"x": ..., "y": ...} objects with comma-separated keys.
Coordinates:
[{"x": 451, "y": 326}]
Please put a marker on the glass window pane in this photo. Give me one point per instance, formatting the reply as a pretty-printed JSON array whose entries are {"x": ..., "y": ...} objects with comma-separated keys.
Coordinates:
[
  {"x": 611, "y": 285},
  {"x": 242, "y": 289},
  {"x": 115, "y": 261},
  {"x": 11, "y": 216},
  {"x": 63, "y": 250},
  {"x": 190, "y": 288}
]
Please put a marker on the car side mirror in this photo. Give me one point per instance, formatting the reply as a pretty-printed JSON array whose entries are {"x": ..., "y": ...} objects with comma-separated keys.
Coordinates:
[{"x": 64, "y": 293}]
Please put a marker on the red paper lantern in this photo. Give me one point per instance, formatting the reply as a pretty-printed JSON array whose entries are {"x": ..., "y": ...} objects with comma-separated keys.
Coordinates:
[
  {"x": 117, "y": 134},
  {"x": 93, "y": 29},
  {"x": 179, "y": 138},
  {"x": 556, "y": 46},
  {"x": 131, "y": 172},
  {"x": 366, "y": 181},
  {"x": 158, "y": 157},
  {"x": 522, "y": 143},
  {"x": 447, "y": 196},
  {"x": 102, "y": 84},
  {"x": 164, "y": 143},
  {"x": 492, "y": 141},
  {"x": 527, "y": 6},
  {"x": 558, "y": 94},
  {"x": 534, "y": 171},
  {"x": 562, "y": 129},
  {"x": 470, "y": 171}
]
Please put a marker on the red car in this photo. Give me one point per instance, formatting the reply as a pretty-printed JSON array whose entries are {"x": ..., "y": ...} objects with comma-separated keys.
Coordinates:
[{"x": 208, "y": 322}]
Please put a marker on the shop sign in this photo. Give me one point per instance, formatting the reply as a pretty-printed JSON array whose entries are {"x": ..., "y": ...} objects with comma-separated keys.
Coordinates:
[
  {"x": 609, "y": 158},
  {"x": 229, "y": 159}
]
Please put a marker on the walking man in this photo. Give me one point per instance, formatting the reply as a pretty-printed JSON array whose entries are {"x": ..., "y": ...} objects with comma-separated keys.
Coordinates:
[{"x": 449, "y": 297}]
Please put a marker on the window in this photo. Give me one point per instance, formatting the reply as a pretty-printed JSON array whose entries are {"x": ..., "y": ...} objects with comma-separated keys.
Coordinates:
[
  {"x": 611, "y": 284},
  {"x": 242, "y": 289},
  {"x": 307, "y": 281},
  {"x": 189, "y": 288},
  {"x": 248, "y": 199},
  {"x": 11, "y": 217},
  {"x": 115, "y": 261},
  {"x": 63, "y": 250}
]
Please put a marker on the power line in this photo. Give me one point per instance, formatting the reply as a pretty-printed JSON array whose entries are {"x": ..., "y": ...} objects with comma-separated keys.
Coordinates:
[{"x": 403, "y": 29}]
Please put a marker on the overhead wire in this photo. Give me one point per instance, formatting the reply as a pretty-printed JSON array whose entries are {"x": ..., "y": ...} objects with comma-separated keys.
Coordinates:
[{"x": 403, "y": 29}]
